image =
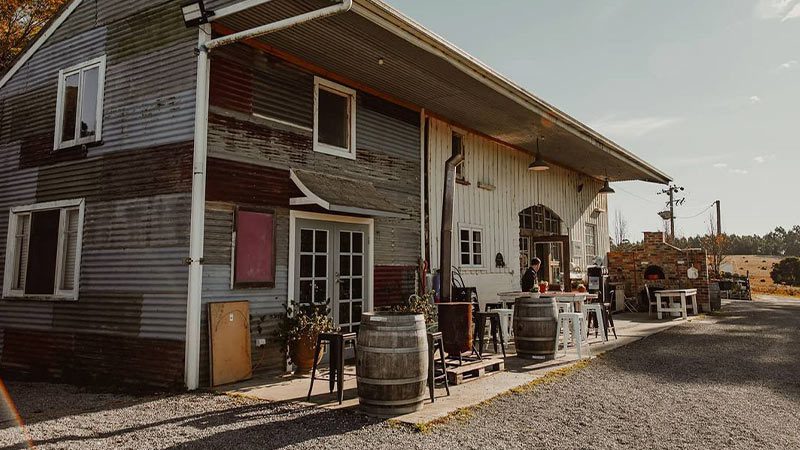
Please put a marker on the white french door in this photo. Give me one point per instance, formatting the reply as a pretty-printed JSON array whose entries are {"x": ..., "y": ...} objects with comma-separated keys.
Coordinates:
[{"x": 331, "y": 265}]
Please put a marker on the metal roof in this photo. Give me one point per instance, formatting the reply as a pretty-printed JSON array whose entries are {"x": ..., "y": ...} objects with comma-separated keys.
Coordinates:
[{"x": 423, "y": 69}]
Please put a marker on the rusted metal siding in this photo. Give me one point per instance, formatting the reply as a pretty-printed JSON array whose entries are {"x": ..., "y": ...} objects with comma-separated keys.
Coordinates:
[
  {"x": 496, "y": 210},
  {"x": 129, "y": 321}
]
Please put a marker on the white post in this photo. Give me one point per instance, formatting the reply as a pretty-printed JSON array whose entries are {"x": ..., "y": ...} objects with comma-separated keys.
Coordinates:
[{"x": 194, "y": 302}]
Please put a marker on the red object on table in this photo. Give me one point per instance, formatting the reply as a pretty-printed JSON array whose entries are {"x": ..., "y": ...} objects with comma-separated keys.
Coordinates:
[{"x": 543, "y": 286}]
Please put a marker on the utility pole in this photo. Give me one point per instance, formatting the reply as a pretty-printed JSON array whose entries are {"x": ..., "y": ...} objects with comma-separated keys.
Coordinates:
[
  {"x": 719, "y": 220},
  {"x": 671, "y": 190}
]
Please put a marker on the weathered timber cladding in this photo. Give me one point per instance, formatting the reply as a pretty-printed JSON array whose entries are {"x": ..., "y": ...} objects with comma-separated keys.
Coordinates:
[
  {"x": 497, "y": 209},
  {"x": 259, "y": 128},
  {"x": 128, "y": 324}
]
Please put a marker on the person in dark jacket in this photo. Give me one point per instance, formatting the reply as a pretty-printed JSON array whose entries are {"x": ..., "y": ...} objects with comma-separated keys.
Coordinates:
[{"x": 530, "y": 278}]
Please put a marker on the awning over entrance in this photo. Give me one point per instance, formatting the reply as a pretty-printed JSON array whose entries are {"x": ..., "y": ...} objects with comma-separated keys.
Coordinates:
[{"x": 342, "y": 195}]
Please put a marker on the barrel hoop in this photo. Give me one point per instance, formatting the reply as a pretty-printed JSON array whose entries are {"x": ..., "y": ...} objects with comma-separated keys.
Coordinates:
[
  {"x": 384, "y": 328},
  {"x": 392, "y": 402},
  {"x": 535, "y": 339},
  {"x": 535, "y": 319},
  {"x": 365, "y": 348},
  {"x": 377, "y": 382}
]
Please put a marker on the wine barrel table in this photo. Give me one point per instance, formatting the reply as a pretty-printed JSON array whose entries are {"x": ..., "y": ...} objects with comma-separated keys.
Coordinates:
[
  {"x": 535, "y": 325},
  {"x": 391, "y": 363}
]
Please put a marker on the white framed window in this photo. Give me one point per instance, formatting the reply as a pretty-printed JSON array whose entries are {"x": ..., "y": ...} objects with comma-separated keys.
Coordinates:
[
  {"x": 43, "y": 251},
  {"x": 334, "y": 119},
  {"x": 590, "y": 243},
  {"x": 79, "y": 105},
  {"x": 470, "y": 246}
]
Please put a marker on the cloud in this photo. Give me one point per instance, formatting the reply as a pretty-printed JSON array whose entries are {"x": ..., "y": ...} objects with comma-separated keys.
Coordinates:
[
  {"x": 738, "y": 171},
  {"x": 634, "y": 127},
  {"x": 788, "y": 65},
  {"x": 720, "y": 165},
  {"x": 755, "y": 99},
  {"x": 761, "y": 159},
  {"x": 782, "y": 10}
]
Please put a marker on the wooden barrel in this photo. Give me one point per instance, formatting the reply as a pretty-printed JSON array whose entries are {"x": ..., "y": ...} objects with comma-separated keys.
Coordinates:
[
  {"x": 391, "y": 363},
  {"x": 535, "y": 323}
]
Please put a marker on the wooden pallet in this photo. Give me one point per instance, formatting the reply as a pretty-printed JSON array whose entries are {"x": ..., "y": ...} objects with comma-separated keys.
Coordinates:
[{"x": 473, "y": 370}]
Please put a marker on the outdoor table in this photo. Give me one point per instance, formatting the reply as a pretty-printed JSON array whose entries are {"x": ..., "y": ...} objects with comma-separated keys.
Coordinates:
[
  {"x": 678, "y": 294},
  {"x": 508, "y": 298}
]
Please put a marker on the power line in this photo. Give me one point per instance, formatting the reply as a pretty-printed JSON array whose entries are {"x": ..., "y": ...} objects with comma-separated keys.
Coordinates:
[
  {"x": 637, "y": 196},
  {"x": 701, "y": 212}
]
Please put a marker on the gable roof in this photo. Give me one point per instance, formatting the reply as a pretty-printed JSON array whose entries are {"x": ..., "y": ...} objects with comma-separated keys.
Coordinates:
[{"x": 52, "y": 25}]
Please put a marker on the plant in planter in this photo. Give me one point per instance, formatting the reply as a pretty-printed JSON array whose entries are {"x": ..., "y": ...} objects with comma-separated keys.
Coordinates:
[
  {"x": 299, "y": 329},
  {"x": 421, "y": 304}
]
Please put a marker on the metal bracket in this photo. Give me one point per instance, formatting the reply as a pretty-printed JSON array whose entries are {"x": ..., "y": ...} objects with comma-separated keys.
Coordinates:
[{"x": 188, "y": 261}]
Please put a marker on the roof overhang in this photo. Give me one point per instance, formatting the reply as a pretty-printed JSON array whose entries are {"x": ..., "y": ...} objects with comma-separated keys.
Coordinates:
[
  {"x": 375, "y": 45},
  {"x": 342, "y": 195}
]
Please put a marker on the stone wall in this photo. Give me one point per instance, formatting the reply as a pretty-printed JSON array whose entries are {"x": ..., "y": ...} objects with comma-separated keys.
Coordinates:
[{"x": 629, "y": 266}]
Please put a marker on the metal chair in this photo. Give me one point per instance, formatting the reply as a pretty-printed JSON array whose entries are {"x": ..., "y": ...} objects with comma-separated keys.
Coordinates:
[{"x": 336, "y": 343}]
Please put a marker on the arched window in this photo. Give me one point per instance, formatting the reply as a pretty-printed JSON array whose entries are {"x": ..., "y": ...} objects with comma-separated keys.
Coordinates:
[{"x": 540, "y": 219}]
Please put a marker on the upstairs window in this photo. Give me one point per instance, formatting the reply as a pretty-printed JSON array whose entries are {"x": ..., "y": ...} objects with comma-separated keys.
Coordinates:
[
  {"x": 44, "y": 250},
  {"x": 79, "y": 107},
  {"x": 471, "y": 246},
  {"x": 334, "y": 119},
  {"x": 590, "y": 244}
]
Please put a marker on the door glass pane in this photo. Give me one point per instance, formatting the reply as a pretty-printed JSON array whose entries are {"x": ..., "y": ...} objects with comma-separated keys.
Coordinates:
[
  {"x": 320, "y": 291},
  {"x": 89, "y": 102},
  {"x": 306, "y": 265},
  {"x": 344, "y": 312},
  {"x": 320, "y": 266},
  {"x": 344, "y": 289},
  {"x": 70, "y": 107},
  {"x": 357, "y": 312},
  {"x": 305, "y": 291},
  {"x": 344, "y": 242},
  {"x": 358, "y": 265},
  {"x": 344, "y": 265},
  {"x": 358, "y": 289},
  {"x": 358, "y": 242},
  {"x": 321, "y": 241},
  {"x": 307, "y": 240}
]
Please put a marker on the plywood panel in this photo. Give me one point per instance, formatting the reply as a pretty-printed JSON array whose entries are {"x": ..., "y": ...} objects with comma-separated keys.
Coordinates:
[{"x": 229, "y": 336}]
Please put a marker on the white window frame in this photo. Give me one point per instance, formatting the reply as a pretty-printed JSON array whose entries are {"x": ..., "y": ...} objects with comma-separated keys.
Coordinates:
[
  {"x": 471, "y": 229},
  {"x": 586, "y": 246},
  {"x": 350, "y": 94},
  {"x": 12, "y": 252},
  {"x": 100, "y": 63}
]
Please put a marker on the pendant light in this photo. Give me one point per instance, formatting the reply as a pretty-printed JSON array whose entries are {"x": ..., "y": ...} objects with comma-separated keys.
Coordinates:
[
  {"x": 538, "y": 164},
  {"x": 606, "y": 189}
]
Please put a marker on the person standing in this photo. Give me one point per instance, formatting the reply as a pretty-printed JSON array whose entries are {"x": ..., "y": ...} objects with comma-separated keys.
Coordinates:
[{"x": 531, "y": 278}]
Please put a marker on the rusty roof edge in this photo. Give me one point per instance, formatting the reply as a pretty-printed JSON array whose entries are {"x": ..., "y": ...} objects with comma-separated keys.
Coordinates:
[{"x": 405, "y": 27}]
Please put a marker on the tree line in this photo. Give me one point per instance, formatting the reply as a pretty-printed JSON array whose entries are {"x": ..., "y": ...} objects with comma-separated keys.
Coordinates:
[{"x": 779, "y": 242}]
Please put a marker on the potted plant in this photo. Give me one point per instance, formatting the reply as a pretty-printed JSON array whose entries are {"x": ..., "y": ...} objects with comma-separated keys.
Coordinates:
[
  {"x": 299, "y": 329},
  {"x": 421, "y": 304}
]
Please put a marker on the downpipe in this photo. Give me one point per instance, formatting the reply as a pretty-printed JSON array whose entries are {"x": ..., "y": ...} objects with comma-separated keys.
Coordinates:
[{"x": 447, "y": 226}]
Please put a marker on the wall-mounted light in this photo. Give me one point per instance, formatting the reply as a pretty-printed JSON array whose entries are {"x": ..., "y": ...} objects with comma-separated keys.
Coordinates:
[
  {"x": 194, "y": 13},
  {"x": 606, "y": 189},
  {"x": 538, "y": 164}
]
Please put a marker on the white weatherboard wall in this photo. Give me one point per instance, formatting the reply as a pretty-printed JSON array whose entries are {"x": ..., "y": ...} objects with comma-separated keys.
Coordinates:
[{"x": 497, "y": 211}]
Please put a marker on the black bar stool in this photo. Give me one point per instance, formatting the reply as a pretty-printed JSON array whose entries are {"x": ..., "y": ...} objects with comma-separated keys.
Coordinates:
[
  {"x": 435, "y": 342},
  {"x": 480, "y": 330},
  {"x": 336, "y": 343}
]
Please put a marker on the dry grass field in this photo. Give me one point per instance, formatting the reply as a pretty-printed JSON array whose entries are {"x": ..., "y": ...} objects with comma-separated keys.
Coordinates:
[{"x": 759, "y": 267}]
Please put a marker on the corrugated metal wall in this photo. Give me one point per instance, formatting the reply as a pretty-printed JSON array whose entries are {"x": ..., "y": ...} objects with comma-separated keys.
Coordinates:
[
  {"x": 497, "y": 210},
  {"x": 129, "y": 321},
  {"x": 260, "y": 152}
]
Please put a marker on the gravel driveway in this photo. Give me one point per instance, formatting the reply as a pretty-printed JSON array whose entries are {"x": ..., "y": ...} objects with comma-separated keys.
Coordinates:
[{"x": 728, "y": 381}]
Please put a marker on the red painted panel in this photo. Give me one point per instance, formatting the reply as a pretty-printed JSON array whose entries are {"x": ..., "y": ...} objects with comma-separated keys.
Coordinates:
[
  {"x": 393, "y": 284},
  {"x": 255, "y": 247}
]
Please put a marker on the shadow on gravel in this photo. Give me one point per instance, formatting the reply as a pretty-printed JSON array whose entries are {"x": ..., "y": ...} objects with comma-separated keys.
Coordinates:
[
  {"x": 262, "y": 425},
  {"x": 749, "y": 344}
]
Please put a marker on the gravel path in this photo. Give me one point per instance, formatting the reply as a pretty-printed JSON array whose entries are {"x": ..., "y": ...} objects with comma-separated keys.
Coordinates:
[{"x": 730, "y": 381}]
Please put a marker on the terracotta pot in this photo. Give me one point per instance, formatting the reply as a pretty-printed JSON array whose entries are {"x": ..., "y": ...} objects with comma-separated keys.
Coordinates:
[{"x": 301, "y": 353}]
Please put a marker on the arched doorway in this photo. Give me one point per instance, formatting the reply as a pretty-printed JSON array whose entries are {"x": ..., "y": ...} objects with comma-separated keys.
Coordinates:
[{"x": 541, "y": 234}]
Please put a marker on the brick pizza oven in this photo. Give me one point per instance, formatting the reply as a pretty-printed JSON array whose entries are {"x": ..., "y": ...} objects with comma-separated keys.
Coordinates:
[{"x": 659, "y": 265}]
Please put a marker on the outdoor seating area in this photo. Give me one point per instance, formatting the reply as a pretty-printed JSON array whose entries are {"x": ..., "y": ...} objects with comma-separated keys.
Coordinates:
[{"x": 443, "y": 383}]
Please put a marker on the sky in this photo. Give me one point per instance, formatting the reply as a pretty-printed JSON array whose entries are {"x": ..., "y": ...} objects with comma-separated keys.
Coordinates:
[{"x": 707, "y": 91}]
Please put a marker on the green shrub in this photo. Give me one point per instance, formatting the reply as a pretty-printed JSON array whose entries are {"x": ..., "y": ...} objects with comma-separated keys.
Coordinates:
[{"x": 787, "y": 271}]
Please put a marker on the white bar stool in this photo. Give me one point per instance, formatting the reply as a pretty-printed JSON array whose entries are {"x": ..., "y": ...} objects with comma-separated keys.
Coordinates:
[
  {"x": 571, "y": 322},
  {"x": 597, "y": 308},
  {"x": 566, "y": 307},
  {"x": 506, "y": 318}
]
